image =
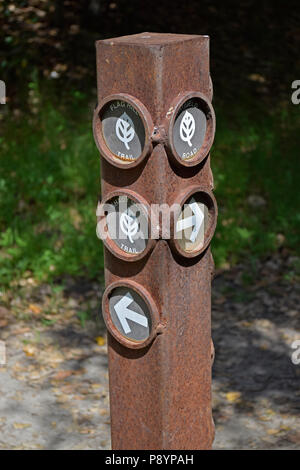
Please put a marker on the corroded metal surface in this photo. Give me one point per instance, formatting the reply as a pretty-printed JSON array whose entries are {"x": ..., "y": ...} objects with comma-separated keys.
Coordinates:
[{"x": 160, "y": 394}]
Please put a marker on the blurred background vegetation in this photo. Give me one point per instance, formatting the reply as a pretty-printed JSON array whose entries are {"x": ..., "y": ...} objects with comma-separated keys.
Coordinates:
[{"x": 49, "y": 165}]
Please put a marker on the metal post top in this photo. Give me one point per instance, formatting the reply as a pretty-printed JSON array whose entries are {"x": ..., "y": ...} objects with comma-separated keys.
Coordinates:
[{"x": 152, "y": 39}]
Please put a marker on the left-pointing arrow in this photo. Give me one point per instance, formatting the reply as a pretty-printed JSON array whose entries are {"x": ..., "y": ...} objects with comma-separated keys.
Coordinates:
[{"x": 124, "y": 313}]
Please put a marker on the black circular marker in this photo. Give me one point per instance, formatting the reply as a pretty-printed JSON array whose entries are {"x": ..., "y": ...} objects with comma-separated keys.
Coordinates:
[
  {"x": 130, "y": 314},
  {"x": 123, "y": 130},
  {"x": 189, "y": 129},
  {"x": 127, "y": 224}
]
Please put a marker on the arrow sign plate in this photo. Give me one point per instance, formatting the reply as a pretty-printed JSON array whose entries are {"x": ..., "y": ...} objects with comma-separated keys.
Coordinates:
[
  {"x": 191, "y": 225},
  {"x": 130, "y": 314}
]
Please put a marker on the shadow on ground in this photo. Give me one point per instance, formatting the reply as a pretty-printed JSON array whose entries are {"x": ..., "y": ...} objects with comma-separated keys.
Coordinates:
[{"x": 54, "y": 387}]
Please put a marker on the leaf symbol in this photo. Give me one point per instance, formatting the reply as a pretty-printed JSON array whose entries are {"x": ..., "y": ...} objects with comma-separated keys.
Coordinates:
[
  {"x": 125, "y": 129},
  {"x": 187, "y": 128},
  {"x": 129, "y": 225}
]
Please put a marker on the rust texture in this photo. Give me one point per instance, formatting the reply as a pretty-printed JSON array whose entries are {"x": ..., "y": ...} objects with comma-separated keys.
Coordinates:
[{"x": 160, "y": 395}]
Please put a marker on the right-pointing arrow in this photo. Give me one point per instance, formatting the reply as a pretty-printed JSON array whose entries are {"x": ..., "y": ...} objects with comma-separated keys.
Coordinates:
[
  {"x": 124, "y": 313},
  {"x": 194, "y": 221}
]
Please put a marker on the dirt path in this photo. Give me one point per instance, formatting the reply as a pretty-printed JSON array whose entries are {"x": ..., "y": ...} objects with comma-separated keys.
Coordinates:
[{"x": 54, "y": 386}]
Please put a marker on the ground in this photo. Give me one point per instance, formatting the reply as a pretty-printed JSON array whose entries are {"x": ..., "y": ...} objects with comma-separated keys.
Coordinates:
[{"x": 54, "y": 386}]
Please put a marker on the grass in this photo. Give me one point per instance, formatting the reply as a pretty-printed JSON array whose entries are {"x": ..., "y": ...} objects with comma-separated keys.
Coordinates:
[
  {"x": 50, "y": 181},
  {"x": 255, "y": 160},
  {"x": 49, "y": 184}
]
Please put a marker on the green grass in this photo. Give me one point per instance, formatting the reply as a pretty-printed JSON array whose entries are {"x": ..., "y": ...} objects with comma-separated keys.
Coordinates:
[
  {"x": 50, "y": 182},
  {"x": 256, "y": 153}
]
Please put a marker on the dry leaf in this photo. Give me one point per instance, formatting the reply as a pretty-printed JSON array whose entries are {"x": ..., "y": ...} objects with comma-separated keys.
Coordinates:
[
  {"x": 100, "y": 340},
  {"x": 284, "y": 427},
  {"x": 246, "y": 324},
  {"x": 96, "y": 385},
  {"x": 62, "y": 374},
  {"x": 87, "y": 431},
  {"x": 21, "y": 425},
  {"x": 272, "y": 432},
  {"x": 29, "y": 350},
  {"x": 35, "y": 309},
  {"x": 233, "y": 397},
  {"x": 256, "y": 77}
]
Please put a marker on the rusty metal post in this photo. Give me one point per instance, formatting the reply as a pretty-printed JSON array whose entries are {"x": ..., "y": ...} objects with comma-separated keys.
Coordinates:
[{"x": 154, "y": 126}]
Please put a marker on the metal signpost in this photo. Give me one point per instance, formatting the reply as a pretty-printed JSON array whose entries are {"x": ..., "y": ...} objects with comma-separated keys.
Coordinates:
[{"x": 154, "y": 126}]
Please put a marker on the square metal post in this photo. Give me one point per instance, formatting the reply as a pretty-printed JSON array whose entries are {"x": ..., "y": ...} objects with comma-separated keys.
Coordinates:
[{"x": 160, "y": 390}]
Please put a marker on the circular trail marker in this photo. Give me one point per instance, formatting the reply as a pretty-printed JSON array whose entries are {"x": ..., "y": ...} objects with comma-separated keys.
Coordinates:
[
  {"x": 127, "y": 224},
  {"x": 123, "y": 130},
  {"x": 195, "y": 223},
  {"x": 129, "y": 314},
  {"x": 189, "y": 129},
  {"x": 192, "y": 224}
]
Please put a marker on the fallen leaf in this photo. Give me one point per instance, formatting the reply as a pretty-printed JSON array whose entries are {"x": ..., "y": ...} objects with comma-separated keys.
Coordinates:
[
  {"x": 62, "y": 374},
  {"x": 233, "y": 397},
  {"x": 284, "y": 427},
  {"x": 29, "y": 350},
  {"x": 35, "y": 309},
  {"x": 20, "y": 331},
  {"x": 264, "y": 418},
  {"x": 256, "y": 77},
  {"x": 87, "y": 431},
  {"x": 100, "y": 340},
  {"x": 21, "y": 425},
  {"x": 96, "y": 385},
  {"x": 273, "y": 432},
  {"x": 246, "y": 324}
]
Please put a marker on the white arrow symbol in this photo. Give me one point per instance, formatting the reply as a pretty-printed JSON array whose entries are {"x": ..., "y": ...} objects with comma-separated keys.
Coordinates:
[
  {"x": 192, "y": 221},
  {"x": 124, "y": 313}
]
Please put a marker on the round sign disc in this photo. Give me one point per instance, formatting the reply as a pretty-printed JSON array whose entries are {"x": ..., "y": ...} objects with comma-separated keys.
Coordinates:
[
  {"x": 129, "y": 314},
  {"x": 123, "y": 130},
  {"x": 189, "y": 129},
  {"x": 192, "y": 224},
  {"x": 127, "y": 224}
]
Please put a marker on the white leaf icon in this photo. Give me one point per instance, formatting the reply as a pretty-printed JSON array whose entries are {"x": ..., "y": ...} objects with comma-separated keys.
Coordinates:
[
  {"x": 129, "y": 225},
  {"x": 125, "y": 129},
  {"x": 187, "y": 128}
]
